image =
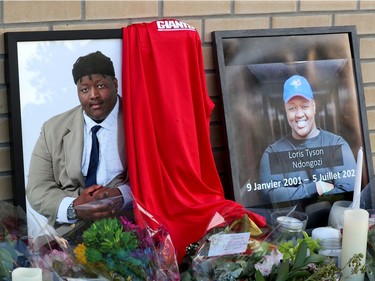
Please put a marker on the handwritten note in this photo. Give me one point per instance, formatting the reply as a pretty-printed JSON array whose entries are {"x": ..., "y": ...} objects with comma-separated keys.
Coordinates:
[{"x": 228, "y": 244}]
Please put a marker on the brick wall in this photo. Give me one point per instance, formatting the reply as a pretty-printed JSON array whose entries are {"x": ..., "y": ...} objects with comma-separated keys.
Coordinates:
[{"x": 206, "y": 16}]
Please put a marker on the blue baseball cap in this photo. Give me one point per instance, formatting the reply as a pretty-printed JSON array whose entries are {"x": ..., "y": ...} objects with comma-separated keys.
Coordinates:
[{"x": 297, "y": 86}]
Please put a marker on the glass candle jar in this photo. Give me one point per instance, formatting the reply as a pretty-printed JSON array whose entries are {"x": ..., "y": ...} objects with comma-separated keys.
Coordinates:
[{"x": 331, "y": 247}]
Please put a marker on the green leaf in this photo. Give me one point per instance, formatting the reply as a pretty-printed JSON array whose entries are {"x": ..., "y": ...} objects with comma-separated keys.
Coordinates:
[
  {"x": 300, "y": 255},
  {"x": 283, "y": 271},
  {"x": 4, "y": 271},
  {"x": 6, "y": 262},
  {"x": 93, "y": 255},
  {"x": 298, "y": 274},
  {"x": 312, "y": 244},
  {"x": 314, "y": 258},
  {"x": 287, "y": 249},
  {"x": 259, "y": 276},
  {"x": 132, "y": 267},
  {"x": 5, "y": 255}
]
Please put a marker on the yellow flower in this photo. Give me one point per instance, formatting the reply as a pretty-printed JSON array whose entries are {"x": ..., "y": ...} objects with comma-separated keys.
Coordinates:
[{"x": 79, "y": 251}]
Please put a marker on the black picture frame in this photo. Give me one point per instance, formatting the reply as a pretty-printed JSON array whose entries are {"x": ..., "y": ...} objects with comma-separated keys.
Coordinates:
[
  {"x": 39, "y": 82},
  {"x": 252, "y": 67}
]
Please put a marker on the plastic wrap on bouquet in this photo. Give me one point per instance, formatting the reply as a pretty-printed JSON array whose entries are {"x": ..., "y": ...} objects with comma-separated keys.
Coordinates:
[
  {"x": 165, "y": 260},
  {"x": 13, "y": 239},
  {"x": 53, "y": 255},
  {"x": 18, "y": 250},
  {"x": 236, "y": 249},
  {"x": 108, "y": 249},
  {"x": 117, "y": 248},
  {"x": 223, "y": 253}
]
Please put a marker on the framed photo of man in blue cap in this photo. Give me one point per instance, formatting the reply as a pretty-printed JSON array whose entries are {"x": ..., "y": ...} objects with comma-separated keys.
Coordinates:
[{"x": 294, "y": 113}]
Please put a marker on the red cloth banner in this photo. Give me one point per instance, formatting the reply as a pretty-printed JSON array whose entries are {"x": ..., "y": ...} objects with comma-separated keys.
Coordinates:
[{"x": 167, "y": 112}]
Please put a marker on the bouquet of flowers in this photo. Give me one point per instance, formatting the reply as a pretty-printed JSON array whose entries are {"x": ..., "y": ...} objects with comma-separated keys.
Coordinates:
[
  {"x": 118, "y": 249},
  {"x": 48, "y": 251},
  {"x": 261, "y": 259},
  {"x": 108, "y": 249},
  {"x": 13, "y": 239},
  {"x": 17, "y": 249},
  {"x": 53, "y": 255}
]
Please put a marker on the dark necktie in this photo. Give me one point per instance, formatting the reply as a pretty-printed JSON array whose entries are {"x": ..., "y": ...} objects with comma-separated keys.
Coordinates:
[{"x": 94, "y": 158}]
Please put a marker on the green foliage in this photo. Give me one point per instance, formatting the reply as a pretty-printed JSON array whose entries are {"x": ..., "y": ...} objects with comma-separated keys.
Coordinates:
[
  {"x": 6, "y": 262},
  {"x": 107, "y": 242},
  {"x": 93, "y": 255},
  {"x": 288, "y": 249},
  {"x": 132, "y": 267},
  {"x": 8, "y": 255},
  {"x": 299, "y": 262},
  {"x": 107, "y": 236},
  {"x": 296, "y": 266}
]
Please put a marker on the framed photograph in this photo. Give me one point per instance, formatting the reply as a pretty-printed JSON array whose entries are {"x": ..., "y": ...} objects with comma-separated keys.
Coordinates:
[
  {"x": 294, "y": 112},
  {"x": 40, "y": 85}
]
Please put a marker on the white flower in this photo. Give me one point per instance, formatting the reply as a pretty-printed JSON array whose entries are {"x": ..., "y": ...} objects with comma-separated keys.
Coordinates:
[{"x": 268, "y": 261}]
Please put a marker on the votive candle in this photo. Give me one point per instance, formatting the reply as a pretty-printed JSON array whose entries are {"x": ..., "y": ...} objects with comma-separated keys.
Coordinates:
[
  {"x": 322, "y": 233},
  {"x": 27, "y": 274},
  {"x": 290, "y": 223},
  {"x": 354, "y": 241}
]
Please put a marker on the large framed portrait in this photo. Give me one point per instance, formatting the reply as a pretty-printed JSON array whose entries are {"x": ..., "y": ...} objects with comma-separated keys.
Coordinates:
[
  {"x": 294, "y": 112},
  {"x": 40, "y": 85}
]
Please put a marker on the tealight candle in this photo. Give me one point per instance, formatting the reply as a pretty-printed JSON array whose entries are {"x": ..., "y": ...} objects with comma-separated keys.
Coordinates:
[
  {"x": 27, "y": 274},
  {"x": 354, "y": 241},
  {"x": 322, "y": 233},
  {"x": 290, "y": 223}
]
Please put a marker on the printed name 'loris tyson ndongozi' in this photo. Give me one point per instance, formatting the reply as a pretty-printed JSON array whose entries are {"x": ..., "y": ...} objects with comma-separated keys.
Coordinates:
[{"x": 173, "y": 25}]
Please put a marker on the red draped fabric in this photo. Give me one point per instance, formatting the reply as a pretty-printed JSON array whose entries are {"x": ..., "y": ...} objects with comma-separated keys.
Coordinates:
[{"x": 167, "y": 112}]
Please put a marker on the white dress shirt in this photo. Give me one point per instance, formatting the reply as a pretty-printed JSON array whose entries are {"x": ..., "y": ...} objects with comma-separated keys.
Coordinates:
[{"x": 112, "y": 156}]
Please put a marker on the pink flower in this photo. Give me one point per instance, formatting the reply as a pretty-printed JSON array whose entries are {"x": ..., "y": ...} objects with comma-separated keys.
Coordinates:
[
  {"x": 128, "y": 225},
  {"x": 266, "y": 264}
]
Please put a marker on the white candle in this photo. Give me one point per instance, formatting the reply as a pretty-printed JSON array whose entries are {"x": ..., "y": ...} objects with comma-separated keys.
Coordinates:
[
  {"x": 354, "y": 240},
  {"x": 27, "y": 274},
  {"x": 358, "y": 180},
  {"x": 322, "y": 233},
  {"x": 290, "y": 223}
]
